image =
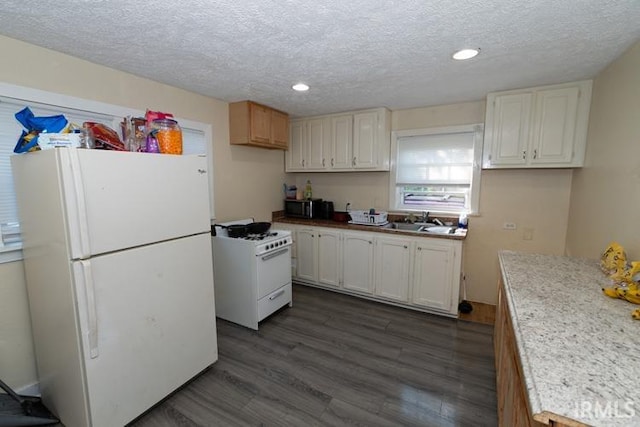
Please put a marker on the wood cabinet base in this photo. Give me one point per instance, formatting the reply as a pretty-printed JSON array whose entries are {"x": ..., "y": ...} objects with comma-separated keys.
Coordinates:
[{"x": 513, "y": 405}]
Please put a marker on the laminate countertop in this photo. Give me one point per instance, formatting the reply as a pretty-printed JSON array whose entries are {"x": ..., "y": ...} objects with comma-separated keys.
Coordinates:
[
  {"x": 579, "y": 350},
  {"x": 460, "y": 234}
]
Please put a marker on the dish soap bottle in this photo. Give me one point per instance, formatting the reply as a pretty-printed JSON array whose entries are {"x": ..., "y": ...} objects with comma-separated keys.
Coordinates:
[
  {"x": 462, "y": 220},
  {"x": 307, "y": 190}
]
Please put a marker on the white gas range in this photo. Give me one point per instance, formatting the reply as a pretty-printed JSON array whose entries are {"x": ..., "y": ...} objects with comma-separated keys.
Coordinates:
[{"x": 252, "y": 274}]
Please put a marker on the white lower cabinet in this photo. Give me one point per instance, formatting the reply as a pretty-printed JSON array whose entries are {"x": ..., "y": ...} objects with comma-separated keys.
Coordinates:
[
  {"x": 329, "y": 250},
  {"x": 433, "y": 274},
  {"x": 417, "y": 272},
  {"x": 307, "y": 250},
  {"x": 357, "y": 262},
  {"x": 393, "y": 268}
]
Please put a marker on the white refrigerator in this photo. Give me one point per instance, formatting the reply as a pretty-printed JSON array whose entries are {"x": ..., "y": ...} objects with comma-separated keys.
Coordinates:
[{"x": 117, "y": 255}]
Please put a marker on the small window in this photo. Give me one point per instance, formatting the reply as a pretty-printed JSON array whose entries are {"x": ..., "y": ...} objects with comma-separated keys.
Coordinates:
[{"x": 436, "y": 170}]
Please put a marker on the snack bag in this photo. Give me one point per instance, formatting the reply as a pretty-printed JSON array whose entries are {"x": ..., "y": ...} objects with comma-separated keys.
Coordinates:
[
  {"x": 104, "y": 137},
  {"x": 28, "y": 141}
]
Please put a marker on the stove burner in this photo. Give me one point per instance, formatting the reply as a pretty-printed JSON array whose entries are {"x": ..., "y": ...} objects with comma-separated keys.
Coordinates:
[{"x": 260, "y": 236}]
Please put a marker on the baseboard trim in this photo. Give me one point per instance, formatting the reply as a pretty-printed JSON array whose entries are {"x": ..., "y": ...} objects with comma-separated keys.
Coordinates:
[{"x": 32, "y": 389}]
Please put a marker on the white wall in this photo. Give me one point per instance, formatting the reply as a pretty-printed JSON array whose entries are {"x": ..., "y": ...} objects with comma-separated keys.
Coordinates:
[
  {"x": 605, "y": 195},
  {"x": 17, "y": 363}
]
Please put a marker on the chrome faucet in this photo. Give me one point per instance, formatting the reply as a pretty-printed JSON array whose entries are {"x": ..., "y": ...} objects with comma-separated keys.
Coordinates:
[{"x": 425, "y": 216}]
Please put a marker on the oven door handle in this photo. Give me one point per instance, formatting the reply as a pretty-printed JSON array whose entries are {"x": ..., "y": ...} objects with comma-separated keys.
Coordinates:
[{"x": 275, "y": 254}]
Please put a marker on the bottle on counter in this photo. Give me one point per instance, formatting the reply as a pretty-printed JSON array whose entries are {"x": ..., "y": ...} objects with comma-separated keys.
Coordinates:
[
  {"x": 462, "y": 220},
  {"x": 307, "y": 190}
]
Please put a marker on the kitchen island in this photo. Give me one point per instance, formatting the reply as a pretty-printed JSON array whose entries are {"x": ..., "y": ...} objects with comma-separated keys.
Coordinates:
[{"x": 565, "y": 354}]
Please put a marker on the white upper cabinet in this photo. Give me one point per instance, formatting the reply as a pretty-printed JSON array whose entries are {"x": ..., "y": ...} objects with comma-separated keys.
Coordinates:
[
  {"x": 295, "y": 156},
  {"x": 365, "y": 144},
  {"x": 359, "y": 140},
  {"x": 544, "y": 127},
  {"x": 341, "y": 142},
  {"x": 317, "y": 142}
]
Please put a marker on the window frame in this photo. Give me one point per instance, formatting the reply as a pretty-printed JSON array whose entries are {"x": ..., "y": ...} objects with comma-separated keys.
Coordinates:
[
  {"x": 478, "y": 140},
  {"x": 13, "y": 251}
]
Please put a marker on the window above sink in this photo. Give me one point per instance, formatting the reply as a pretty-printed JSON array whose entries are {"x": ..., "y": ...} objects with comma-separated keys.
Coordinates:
[{"x": 436, "y": 169}]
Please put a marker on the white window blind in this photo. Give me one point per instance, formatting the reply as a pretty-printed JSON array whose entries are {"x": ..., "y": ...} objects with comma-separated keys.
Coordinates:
[
  {"x": 436, "y": 170},
  {"x": 194, "y": 142}
]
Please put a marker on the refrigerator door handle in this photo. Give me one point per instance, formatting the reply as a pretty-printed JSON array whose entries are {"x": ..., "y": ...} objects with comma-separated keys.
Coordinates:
[
  {"x": 79, "y": 225},
  {"x": 92, "y": 315}
]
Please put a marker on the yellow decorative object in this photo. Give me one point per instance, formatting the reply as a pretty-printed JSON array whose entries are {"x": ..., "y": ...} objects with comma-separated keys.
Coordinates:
[
  {"x": 613, "y": 260},
  {"x": 625, "y": 277}
]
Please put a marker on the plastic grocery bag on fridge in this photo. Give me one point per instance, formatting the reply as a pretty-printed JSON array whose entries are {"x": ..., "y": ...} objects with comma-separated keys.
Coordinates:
[{"x": 28, "y": 141}]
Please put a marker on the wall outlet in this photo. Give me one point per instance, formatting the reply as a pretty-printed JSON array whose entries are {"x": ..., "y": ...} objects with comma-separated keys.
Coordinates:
[
  {"x": 527, "y": 234},
  {"x": 509, "y": 226}
]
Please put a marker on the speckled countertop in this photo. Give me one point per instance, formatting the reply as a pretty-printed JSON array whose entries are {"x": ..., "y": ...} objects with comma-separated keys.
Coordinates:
[{"x": 580, "y": 351}]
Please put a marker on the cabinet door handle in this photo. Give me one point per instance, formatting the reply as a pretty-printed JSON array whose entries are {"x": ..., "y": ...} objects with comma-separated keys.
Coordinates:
[
  {"x": 302, "y": 162},
  {"x": 322, "y": 162},
  {"x": 405, "y": 246},
  {"x": 419, "y": 248},
  {"x": 370, "y": 242},
  {"x": 535, "y": 154},
  {"x": 332, "y": 162},
  {"x": 353, "y": 162},
  {"x": 524, "y": 155},
  {"x": 276, "y": 295}
]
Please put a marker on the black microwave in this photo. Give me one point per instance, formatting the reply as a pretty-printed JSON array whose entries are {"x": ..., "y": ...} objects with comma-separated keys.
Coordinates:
[{"x": 309, "y": 208}]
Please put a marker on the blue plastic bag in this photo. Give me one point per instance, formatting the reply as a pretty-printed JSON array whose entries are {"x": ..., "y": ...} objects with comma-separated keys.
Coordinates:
[{"x": 34, "y": 125}]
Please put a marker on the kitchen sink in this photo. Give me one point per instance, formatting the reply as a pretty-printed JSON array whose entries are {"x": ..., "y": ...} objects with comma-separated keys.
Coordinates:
[
  {"x": 421, "y": 227},
  {"x": 440, "y": 230},
  {"x": 407, "y": 226}
]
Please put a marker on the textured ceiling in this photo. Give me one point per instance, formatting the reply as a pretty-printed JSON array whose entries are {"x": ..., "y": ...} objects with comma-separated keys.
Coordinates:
[{"x": 353, "y": 53}]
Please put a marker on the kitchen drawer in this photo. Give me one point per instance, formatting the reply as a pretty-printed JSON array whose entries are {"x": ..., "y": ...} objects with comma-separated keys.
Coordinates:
[{"x": 274, "y": 301}]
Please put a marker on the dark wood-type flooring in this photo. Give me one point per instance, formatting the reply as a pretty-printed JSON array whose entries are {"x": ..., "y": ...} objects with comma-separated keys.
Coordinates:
[{"x": 336, "y": 360}]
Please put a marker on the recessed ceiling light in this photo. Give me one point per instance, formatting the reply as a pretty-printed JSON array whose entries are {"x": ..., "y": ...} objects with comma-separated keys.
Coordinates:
[
  {"x": 300, "y": 87},
  {"x": 465, "y": 54}
]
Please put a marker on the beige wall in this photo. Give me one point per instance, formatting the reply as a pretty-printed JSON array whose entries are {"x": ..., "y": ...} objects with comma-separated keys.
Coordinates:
[
  {"x": 17, "y": 363},
  {"x": 605, "y": 195},
  {"x": 247, "y": 181},
  {"x": 533, "y": 199}
]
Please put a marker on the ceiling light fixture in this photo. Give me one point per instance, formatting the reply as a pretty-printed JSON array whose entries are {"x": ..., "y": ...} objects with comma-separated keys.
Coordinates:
[
  {"x": 300, "y": 87},
  {"x": 465, "y": 54}
]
